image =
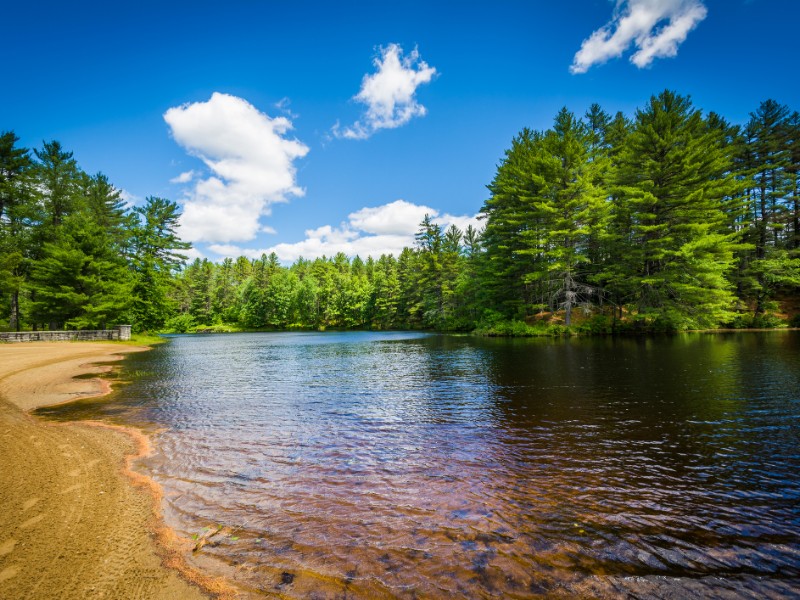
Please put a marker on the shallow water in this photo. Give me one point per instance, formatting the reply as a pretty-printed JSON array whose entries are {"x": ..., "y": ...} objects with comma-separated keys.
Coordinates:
[{"x": 401, "y": 465}]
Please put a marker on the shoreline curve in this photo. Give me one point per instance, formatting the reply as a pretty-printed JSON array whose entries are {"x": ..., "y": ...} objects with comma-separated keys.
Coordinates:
[{"x": 76, "y": 520}]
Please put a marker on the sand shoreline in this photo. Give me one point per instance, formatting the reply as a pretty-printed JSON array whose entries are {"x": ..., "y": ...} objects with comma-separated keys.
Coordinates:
[{"x": 76, "y": 521}]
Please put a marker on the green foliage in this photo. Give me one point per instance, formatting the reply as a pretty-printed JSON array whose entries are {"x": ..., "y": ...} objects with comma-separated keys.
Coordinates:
[
  {"x": 80, "y": 281},
  {"x": 597, "y": 325},
  {"x": 673, "y": 177},
  {"x": 666, "y": 221},
  {"x": 180, "y": 323},
  {"x": 71, "y": 254},
  {"x": 512, "y": 328},
  {"x": 155, "y": 258}
]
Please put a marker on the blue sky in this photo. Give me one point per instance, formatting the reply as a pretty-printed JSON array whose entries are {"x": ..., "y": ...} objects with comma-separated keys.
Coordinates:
[{"x": 313, "y": 127}]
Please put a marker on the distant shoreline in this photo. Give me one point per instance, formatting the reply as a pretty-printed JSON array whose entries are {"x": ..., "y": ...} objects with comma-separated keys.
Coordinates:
[
  {"x": 537, "y": 332},
  {"x": 75, "y": 520}
]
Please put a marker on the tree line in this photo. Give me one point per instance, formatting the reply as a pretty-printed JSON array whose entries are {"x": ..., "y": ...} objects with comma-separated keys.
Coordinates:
[
  {"x": 669, "y": 219},
  {"x": 672, "y": 219},
  {"x": 72, "y": 254}
]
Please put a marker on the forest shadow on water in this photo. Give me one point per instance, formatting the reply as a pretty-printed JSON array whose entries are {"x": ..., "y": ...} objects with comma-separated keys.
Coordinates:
[{"x": 366, "y": 464}]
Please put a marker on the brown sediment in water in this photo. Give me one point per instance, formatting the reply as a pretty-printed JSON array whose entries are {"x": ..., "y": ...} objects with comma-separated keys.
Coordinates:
[{"x": 76, "y": 521}]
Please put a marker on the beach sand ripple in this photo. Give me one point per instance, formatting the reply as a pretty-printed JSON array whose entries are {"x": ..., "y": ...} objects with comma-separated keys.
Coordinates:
[{"x": 75, "y": 523}]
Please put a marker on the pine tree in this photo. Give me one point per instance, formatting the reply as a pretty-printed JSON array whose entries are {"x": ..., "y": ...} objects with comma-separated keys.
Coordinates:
[
  {"x": 430, "y": 243},
  {"x": 765, "y": 160},
  {"x": 793, "y": 173},
  {"x": 19, "y": 212},
  {"x": 409, "y": 301},
  {"x": 673, "y": 177},
  {"x": 570, "y": 205},
  {"x": 223, "y": 306},
  {"x": 105, "y": 206},
  {"x": 452, "y": 265},
  {"x": 385, "y": 294},
  {"x": 511, "y": 229},
  {"x": 156, "y": 257},
  {"x": 59, "y": 180},
  {"x": 80, "y": 281}
]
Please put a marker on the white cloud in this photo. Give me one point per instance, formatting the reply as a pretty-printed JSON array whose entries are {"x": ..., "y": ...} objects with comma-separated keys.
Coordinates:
[
  {"x": 191, "y": 254},
  {"x": 371, "y": 231},
  {"x": 396, "y": 218},
  {"x": 129, "y": 199},
  {"x": 251, "y": 163},
  {"x": 641, "y": 23},
  {"x": 390, "y": 93},
  {"x": 462, "y": 222},
  {"x": 226, "y": 250},
  {"x": 184, "y": 177},
  {"x": 284, "y": 105}
]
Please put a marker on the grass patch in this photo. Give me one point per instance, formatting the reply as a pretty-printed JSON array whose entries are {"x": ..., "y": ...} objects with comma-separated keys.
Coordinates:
[{"x": 522, "y": 329}]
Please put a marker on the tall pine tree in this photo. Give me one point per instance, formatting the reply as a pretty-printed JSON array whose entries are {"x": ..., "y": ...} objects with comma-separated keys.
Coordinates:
[{"x": 674, "y": 175}]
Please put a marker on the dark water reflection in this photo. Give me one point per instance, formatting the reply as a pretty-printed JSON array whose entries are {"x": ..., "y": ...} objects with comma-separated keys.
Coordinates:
[{"x": 383, "y": 465}]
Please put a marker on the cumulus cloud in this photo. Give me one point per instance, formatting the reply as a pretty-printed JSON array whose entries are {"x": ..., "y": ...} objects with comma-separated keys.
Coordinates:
[
  {"x": 227, "y": 250},
  {"x": 371, "y": 231},
  {"x": 396, "y": 218},
  {"x": 129, "y": 199},
  {"x": 251, "y": 165},
  {"x": 389, "y": 93},
  {"x": 184, "y": 177},
  {"x": 655, "y": 27},
  {"x": 192, "y": 253}
]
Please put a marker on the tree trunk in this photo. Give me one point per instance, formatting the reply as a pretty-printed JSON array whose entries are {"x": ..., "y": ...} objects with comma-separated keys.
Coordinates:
[
  {"x": 760, "y": 302},
  {"x": 761, "y": 245},
  {"x": 569, "y": 297},
  {"x": 14, "y": 320}
]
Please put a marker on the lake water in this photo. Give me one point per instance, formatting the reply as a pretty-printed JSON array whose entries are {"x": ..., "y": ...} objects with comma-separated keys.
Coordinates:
[{"x": 368, "y": 465}]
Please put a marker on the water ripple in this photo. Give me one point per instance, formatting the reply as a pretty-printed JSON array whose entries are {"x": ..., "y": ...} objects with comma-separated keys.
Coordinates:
[{"x": 403, "y": 465}]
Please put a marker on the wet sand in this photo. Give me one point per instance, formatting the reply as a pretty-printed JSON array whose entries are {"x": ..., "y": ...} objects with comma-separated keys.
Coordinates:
[{"x": 75, "y": 521}]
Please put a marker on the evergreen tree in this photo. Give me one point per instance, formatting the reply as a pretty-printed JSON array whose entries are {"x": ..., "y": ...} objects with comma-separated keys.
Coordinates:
[
  {"x": 58, "y": 177},
  {"x": 19, "y": 212},
  {"x": 430, "y": 243},
  {"x": 105, "y": 206},
  {"x": 674, "y": 174},
  {"x": 766, "y": 162},
  {"x": 511, "y": 230},
  {"x": 200, "y": 276},
  {"x": 452, "y": 264},
  {"x": 617, "y": 236},
  {"x": 385, "y": 294},
  {"x": 224, "y": 306},
  {"x": 651, "y": 213},
  {"x": 80, "y": 281},
  {"x": 570, "y": 206},
  {"x": 467, "y": 282},
  {"x": 793, "y": 173},
  {"x": 156, "y": 258},
  {"x": 409, "y": 302}
]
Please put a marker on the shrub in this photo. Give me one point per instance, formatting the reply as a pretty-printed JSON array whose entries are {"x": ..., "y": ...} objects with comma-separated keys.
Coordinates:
[{"x": 179, "y": 324}]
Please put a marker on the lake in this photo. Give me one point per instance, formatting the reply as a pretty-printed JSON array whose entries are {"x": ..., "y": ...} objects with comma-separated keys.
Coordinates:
[{"x": 367, "y": 464}]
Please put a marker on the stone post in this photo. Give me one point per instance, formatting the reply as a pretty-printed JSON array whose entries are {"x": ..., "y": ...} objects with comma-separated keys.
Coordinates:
[{"x": 124, "y": 331}]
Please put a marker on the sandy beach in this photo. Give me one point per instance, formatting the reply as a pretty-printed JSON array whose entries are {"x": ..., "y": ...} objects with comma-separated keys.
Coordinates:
[{"x": 75, "y": 521}]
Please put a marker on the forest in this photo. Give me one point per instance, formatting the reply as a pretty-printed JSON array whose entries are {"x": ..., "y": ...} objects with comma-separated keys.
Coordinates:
[{"x": 669, "y": 219}]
